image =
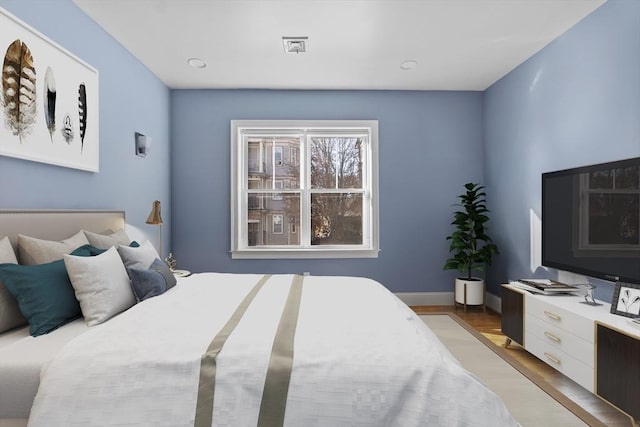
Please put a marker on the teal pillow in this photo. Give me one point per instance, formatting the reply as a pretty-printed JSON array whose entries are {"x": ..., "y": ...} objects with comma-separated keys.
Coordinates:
[
  {"x": 44, "y": 294},
  {"x": 151, "y": 282},
  {"x": 90, "y": 250},
  {"x": 87, "y": 250}
]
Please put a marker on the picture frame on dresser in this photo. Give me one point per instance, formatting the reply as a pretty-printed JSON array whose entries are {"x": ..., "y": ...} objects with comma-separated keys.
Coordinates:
[{"x": 626, "y": 299}]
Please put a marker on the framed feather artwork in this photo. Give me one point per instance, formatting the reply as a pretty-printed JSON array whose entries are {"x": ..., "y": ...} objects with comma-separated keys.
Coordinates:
[
  {"x": 626, "y": 299},
  {"x": 48, "y": 100}
]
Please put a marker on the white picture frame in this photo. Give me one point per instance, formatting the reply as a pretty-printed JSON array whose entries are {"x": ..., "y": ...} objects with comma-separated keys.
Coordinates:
[{"x": 57, "y": 122}]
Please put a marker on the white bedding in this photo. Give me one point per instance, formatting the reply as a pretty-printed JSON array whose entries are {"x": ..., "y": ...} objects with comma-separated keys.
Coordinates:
[
  {"x": 362, "y": 358},
  {"x": 21, "y": 357}
]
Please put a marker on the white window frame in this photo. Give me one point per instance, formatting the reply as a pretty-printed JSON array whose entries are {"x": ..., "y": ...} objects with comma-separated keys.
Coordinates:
[{"x": 239, "y": 209}]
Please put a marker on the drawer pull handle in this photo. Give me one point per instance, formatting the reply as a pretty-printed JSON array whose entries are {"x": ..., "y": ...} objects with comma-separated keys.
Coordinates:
[
  {"x": 552, "y": 358},
  {"x": 551, "y": 336},
  {"x": 552, "y": 315}
]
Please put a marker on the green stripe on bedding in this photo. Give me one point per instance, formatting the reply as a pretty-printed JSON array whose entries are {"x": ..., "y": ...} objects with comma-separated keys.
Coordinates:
[
  {"x": 276, "y": 386},
  {"x": 206, "y": 385}
]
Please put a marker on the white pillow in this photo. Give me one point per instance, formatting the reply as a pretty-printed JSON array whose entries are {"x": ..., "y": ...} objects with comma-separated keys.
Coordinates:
[
  {"x": 105, "y": 241},
  {"x": 141, "y": 257},
  {"x": 101, "y": 285},
  {"x": 34, "y": 251}
]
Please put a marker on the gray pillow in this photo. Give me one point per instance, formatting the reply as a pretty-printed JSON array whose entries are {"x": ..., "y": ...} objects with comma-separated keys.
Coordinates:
[
  {"x": 10, "y": 315},
  {"x": 34, "y": 251},
  {"x": 105, "y": 241},
  {"x": 101, "y": 285},
  {"x": 7, "y": 255},
  {"x": 152, "y": 282},
  {"x": 140, "y": 257}
]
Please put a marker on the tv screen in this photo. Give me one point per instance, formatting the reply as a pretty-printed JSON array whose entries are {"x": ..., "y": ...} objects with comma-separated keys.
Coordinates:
[{"x": 591, "y": 220}]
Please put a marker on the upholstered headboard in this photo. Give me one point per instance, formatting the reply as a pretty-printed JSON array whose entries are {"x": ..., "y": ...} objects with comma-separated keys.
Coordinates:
[{"x": 57, "y": 224}]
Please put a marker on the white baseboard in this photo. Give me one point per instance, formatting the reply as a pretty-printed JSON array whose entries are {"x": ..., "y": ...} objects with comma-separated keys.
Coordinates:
[{"x": 494, "y": 302}]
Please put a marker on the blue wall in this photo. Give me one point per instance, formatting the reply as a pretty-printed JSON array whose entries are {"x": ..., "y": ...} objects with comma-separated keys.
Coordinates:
[
  {"x": 131, "y": 99},
  {"x": 576, "y": 102},
  {"x": 430, "y": 145}
]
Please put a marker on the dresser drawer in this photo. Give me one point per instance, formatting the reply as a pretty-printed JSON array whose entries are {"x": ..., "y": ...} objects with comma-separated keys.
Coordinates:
[
  {"x": 560, "y": 339},
  {"x": 561, "y": 361},
  {"x": 561, "y": 318}
]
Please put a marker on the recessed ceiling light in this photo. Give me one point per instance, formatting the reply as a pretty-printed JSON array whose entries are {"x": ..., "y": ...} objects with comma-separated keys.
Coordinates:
[
  {"x": 295, "y": 44},
  {"x": 196, "y": 63},
  {"x": 408, "y": 65}
]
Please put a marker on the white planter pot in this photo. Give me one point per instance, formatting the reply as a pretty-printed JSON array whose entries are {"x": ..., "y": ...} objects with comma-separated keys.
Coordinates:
[{"x": 475, "y": 291}]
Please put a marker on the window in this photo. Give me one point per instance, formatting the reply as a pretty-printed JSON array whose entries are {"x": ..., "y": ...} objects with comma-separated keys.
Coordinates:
[
  {"x": 277, "y": 156},
  {"x": 609, "y": 209},
  {"x": 277, "y": 224},
  {"x": 321, "y": 201}
]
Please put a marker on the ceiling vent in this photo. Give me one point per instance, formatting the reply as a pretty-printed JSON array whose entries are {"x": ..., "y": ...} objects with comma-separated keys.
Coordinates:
[{"x": 295, "y": 44}]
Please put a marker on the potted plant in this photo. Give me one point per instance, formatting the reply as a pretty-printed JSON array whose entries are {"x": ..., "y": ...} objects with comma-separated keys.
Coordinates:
[{"x": 471, "y": 248}]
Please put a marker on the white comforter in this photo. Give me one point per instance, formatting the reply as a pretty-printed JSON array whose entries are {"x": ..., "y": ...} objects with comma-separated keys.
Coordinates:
[{"x": 362, "y": 358}]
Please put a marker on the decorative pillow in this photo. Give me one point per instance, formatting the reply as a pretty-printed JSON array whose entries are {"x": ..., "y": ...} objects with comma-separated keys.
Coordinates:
[
  {"x": 34, "y": 251},
  {"x": 141, "y": 257},
  {"x": 105, "y": 241},
  {"x": 152, "y": 282},
  {"x": 44, "y": 294},
  {"x": 101, "y": 284},
  {"x": 7, "y": 255},
  {"x": 87, "y": 250},
  {"x": 10, "y": 315}
]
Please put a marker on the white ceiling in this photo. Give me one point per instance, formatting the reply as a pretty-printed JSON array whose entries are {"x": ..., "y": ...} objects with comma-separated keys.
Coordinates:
[{"x": 353, "y": 44}]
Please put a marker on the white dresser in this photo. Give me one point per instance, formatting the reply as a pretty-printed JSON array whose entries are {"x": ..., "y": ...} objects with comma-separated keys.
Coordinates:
[
  {"x": 563, "y": 332},
  {"x": 562, "y": 335}
]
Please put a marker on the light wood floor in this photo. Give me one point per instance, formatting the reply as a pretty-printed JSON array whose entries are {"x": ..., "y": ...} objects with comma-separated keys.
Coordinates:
[{"x": 488, "y": 324}]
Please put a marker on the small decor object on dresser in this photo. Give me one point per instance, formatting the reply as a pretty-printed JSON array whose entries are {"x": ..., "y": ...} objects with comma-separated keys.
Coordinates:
[{"x": 626, "y": 299}]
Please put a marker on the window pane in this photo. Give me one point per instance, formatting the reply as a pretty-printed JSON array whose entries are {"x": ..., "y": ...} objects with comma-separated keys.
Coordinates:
[
  {"x": 601, "y": 179},
  {"x": 270, "y": 219},
  {"x": 273, "y": 160},
  {"x": 628, "y": 178},
  {"x": 614, "y": 219},
  {"x": 336, "y": 162},
  {"x": 336, "y": 219}
]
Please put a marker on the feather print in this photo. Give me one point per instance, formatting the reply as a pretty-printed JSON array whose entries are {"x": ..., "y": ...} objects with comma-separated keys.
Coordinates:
[
  {"x": 50, "y": 101},
  {"x": 67, "y": 129},
  {"x": 82, "y": 113},
  {"x": 19, "y": 89}
]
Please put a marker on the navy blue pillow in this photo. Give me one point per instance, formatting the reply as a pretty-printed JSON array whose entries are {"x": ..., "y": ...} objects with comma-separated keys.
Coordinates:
[
  {"x": 151, "y": 282},
  {"x": 44, "y": 294}
]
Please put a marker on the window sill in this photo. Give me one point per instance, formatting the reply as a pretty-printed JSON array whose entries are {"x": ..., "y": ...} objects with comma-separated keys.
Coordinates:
[{"x": 303, "y": 254}]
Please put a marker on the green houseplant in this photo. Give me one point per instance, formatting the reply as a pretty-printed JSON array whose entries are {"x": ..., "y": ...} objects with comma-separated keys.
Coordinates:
[{"x": 471, "y": 247}]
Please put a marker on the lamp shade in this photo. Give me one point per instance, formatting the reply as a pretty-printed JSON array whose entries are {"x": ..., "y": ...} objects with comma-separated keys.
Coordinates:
[{"x": 154, "y": 216}]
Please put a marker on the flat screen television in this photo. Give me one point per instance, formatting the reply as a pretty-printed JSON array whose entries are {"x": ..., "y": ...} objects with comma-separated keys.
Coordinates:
[{"x": 591, "y": 220}]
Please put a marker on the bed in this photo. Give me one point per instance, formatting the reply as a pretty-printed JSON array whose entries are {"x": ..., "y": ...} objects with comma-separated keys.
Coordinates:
[{"x": 238, "y": 350}]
